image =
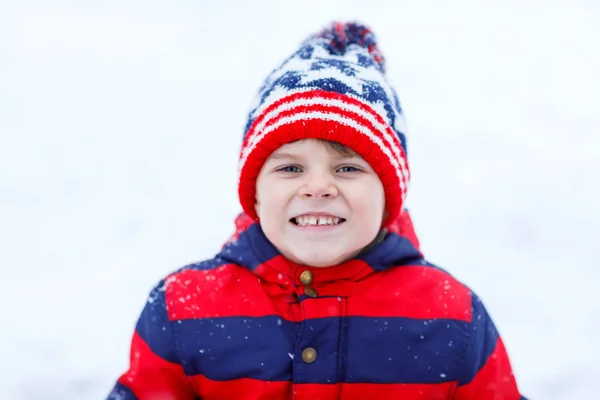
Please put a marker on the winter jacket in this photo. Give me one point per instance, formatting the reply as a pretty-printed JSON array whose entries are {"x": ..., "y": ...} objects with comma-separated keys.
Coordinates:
[{"x": 248, "y": 324}]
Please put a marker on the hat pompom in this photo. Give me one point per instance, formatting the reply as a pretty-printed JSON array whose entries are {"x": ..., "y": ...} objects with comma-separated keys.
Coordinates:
[{"x": 343, "y": 34}]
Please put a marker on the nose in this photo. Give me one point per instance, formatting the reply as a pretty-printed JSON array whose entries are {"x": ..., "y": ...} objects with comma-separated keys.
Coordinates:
[{"x": 319, "y": 186}]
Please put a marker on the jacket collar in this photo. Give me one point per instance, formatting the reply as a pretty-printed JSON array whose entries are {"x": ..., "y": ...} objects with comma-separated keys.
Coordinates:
[{"x": 397, "y": 245}]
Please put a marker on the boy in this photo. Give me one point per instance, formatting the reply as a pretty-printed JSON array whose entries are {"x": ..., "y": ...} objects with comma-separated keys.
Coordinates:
[{"x": 322, "y": 293}]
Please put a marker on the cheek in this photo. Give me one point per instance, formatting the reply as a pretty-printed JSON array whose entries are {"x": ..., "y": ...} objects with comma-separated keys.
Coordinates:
[
  {"x": 372, "y": 204},
  {"x": 263, "y": 196},
  {"x": 270, "y": 203}
]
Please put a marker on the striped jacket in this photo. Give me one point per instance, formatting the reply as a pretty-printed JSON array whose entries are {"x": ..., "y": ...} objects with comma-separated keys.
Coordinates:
[{"x": 248, "y": 324}]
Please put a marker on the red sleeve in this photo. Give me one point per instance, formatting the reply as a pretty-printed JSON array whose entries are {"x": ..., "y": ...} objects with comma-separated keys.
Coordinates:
[
  {"x": 488, "y": 374},
  {"x": 155, "y": 371}
]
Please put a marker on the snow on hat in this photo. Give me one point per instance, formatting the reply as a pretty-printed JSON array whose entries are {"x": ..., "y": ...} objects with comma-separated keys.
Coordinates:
[{"x": 332, "y": 88}]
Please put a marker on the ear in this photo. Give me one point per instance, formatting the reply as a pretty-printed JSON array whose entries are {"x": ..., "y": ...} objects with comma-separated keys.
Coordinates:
[{"x": 256, "y": 207}]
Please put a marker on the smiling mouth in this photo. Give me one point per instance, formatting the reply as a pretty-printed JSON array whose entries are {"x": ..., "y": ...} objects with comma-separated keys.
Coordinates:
[{"x": 316, "y": 220}]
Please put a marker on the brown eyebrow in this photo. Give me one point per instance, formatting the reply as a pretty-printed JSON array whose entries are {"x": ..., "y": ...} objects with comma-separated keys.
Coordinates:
[{"x": 278, "y": 156}]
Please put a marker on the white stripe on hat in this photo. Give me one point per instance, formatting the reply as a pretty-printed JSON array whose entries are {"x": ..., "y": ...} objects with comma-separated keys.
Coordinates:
[
  {"x": 253, "y": 133},
  {"x": 383, "y": 129},
  {"x": 401, "y": 172}
]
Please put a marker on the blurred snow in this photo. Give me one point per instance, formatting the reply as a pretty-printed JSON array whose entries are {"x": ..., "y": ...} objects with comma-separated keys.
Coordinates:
[{"x": 120, "y": 123}]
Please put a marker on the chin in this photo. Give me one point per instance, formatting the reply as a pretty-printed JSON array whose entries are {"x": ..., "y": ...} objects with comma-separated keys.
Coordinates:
[
  {"x": 319, "y": 263},
  {"x": 320, "y": 259}
]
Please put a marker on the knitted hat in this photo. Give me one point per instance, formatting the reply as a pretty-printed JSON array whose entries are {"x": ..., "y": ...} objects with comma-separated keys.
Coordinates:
[{"x": 333, "y": 88}]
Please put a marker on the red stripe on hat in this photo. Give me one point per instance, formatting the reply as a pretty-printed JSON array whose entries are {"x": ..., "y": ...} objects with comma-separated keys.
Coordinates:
[
  {"x": 340, "y": 107},
  {"x": 384, "y": 132},
  {"x": 337, "y": 115},
  {"x": 312, "y": 94}
]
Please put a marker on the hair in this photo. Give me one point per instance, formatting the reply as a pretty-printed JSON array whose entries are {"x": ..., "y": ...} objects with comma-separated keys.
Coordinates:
[{"x": 338, "y": 148}]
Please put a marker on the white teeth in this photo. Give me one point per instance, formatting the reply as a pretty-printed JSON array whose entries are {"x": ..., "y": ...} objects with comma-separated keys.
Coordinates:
[{"x": 311, "y": 220}]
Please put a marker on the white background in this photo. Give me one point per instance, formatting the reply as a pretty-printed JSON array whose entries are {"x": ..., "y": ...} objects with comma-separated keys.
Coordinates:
[{"x": 120, "y": 123}]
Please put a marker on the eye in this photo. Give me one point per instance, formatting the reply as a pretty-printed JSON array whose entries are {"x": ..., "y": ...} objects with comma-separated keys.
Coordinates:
[
  {"x": 294, "y": 169},
  {"x": 348, "y": 168}
]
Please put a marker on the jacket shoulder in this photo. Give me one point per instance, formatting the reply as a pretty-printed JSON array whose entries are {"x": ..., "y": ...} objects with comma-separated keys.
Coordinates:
[
  {"x": 205, "y": 289},
  {"x": 431, "y": 291},
  {"x": 203, "y": 274}
]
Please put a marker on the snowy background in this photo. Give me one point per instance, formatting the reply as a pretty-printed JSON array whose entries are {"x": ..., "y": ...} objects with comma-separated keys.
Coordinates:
[{"x": 120, "y": 123}]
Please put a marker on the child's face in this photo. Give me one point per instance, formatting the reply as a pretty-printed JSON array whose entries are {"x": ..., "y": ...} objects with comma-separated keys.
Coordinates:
[{"x": 316, "y": 206}]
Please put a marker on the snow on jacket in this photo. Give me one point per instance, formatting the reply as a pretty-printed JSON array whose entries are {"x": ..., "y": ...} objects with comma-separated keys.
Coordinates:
[{"x": 248, "y": 324}]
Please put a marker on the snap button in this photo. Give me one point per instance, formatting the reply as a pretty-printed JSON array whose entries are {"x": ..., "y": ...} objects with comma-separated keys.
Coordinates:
[
  {"x": 310, "y": 292},
  {"x": 306, "y": 277},
  {"x": 309, "y": 355}
]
